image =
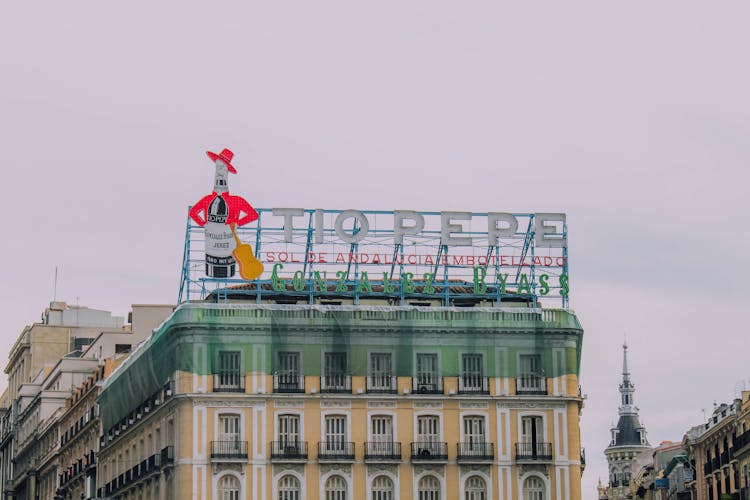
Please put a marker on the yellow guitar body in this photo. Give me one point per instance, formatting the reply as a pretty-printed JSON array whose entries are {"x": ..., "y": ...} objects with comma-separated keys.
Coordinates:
[{"x": 250, "y": 267}]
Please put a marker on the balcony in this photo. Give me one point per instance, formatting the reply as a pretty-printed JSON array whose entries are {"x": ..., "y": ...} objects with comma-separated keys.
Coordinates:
[
  {"x": 336, "y": 451},
  {"x": 288, "y": 383},
  {"x": 381, "y": 384},
  {"x": 473, "y": 452},
  {"x": 229, "y": 382},
  {"x": 533, "y": 452},
  {"x": 229, "y": 450},
  {"x": 427, "y": 385},
  {"x": 282, "y": 451},
  {"x": 533, "y": 384},
  {"x": 429, "y": 452},
  {"x": 337, "y": 383},
  {"x": 386, "y": 451},
  {"x": 167, "y": 455},
  {"x": 473, "y": 384}
]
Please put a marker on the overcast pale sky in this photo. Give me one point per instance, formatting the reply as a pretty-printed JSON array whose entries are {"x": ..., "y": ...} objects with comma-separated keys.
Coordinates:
[{"x": 631, "y": 117}]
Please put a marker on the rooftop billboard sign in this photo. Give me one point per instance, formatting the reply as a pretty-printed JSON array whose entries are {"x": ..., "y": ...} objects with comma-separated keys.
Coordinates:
[{"x": 399, "y": 254}]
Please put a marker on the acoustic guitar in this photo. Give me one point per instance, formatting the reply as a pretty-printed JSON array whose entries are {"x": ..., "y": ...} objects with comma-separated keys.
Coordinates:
[{"x": 250, "y": 267}]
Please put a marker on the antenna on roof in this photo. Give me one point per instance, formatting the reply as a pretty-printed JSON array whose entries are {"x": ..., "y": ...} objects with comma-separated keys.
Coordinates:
[{"x": 54, "y": 292}]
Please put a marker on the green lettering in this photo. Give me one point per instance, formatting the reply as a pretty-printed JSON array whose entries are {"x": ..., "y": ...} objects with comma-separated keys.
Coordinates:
[
  {"x": 523, "y": 284},
  {"x": 320, "y": 282},
  {"x": 429, "y": 278},
  {"x": 388, "y": 287},
  {"x": 364, "y": 283},
  {"x": 341, "y": 285},
  {"x": 543, "y": 283},
  {"x": 407, "y": 282},
  {"x": 298, "y": 281},
  {"x": 502, "y": 279},
  {"x": 480, "y": 287},
  {"x": 564, "y": 286},
  {"x": 276, "y": 282}
]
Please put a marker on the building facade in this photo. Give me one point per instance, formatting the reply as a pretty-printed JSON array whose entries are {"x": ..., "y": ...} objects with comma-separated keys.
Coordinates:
[
  {"x": 719, "y": 450},
  {"x": 271, "y": 401},
  {"x": 628, "y": 440}
]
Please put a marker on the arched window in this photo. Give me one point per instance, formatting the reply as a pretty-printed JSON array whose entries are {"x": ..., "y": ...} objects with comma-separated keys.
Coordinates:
[
  {"x": 288, "y": 488},
  {"x": 382, "y": 488},
  {"x": 533, "y": 488},
  {"x": 229, "y": 488},
  {"x": 336, "y": 488},
  {"x": 476, "y": 489},
  {"x": 429, "y": 488}
]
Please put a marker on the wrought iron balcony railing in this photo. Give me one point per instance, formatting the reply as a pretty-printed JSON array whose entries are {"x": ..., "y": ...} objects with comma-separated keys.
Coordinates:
[
  {"x": 229, "y": 449},
  {"x": 473, "y": 451},
  {"x": 427, "y": 385},
  {"x": 429, "y": 451},
  {"x": 534, "y": 452},
  {"x": 381, "y": 384},
  {"x": 288, "y": 383},
  {"x": 383, "y": 450},
  {"x": 229, "y": 382},
  {"x": 473, "y": 384},
  {"x": 531, "y": 384},
  {"x": 336, "y": 383},
  {"x": 289, "y": 450},
  {"x": 336, "y": 450}
]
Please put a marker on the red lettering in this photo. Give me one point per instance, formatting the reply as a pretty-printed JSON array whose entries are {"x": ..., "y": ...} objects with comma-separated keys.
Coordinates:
[
  {"x": 269, "y": 257},
  {"x": 283, "y": 256}
]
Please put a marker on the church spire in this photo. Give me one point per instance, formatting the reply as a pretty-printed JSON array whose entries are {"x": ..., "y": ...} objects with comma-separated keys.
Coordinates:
[{"x": 627, "y": 389}]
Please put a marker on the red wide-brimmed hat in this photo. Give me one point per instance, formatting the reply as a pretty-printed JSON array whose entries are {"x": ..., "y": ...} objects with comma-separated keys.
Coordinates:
[{"x": 225, "y": 156}]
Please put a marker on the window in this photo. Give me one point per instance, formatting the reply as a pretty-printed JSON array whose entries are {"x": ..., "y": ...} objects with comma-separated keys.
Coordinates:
[
  {"x": 382, "y": 488},
  {"x": 476, "y": 489},
  {"x": 229, "y": 488},
  {"x": 533, "y": 489},
  {"x": 335, "y": 433},
  {"x": 428, "y": 428},
  {"x": 474, "y": 438},
  {"x": 530, "y": 374},
  {"x": 381, "y": 430},
  {"x": 229, "y": 435},
  {"x": 427, "y": 375},
  {"x": 381, "y": 373},
  {"x": 289, "y": 375},
  {"x": 428, "y": 488},
  {"x": 531, "y": 429},
  {"x": 289, "y": 434},
  {"x": 335, "y": 373},
  {"x": 472, "y": 379},
  {"x": 230, "y": 376},
  {"x": 335, "y": 488},
  {"x": 289, "y": 488}
]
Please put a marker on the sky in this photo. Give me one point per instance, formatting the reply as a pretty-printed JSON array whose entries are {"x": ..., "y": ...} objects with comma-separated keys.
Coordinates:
[{"x": 631, "y": 117}]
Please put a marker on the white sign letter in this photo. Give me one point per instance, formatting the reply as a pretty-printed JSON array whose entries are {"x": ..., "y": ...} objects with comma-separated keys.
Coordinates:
[
  {"x": 288, "y": 214},
  {"x": 446, "y": 229},
  {"x": 494, "y": 232},
  {"x": 548, "y": 230},
  {"x": 364, "y": 226},
  {"x": 399, "y": 229}
]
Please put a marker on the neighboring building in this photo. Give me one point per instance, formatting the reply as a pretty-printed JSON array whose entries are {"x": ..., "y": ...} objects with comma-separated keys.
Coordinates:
[
  {"x": 628, "y": 439},
  {"x": 741, "y": 450},
  {"x": 661, "y": 474},
  {"x": 715, "y": 448},
  {"x": 41, "y": 402},
  {"x": 270, "y": 401},
  {"x": 80, "y": 433},
  {"x": 48, "y": 362}
]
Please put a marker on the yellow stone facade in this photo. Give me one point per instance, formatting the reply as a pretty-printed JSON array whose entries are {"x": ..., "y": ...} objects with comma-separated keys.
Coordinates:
[{"x": 480, "y": 445}]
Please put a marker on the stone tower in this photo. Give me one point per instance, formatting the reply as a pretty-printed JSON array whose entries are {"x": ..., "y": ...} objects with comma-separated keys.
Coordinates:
[{"x": 628, "y": 438}]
